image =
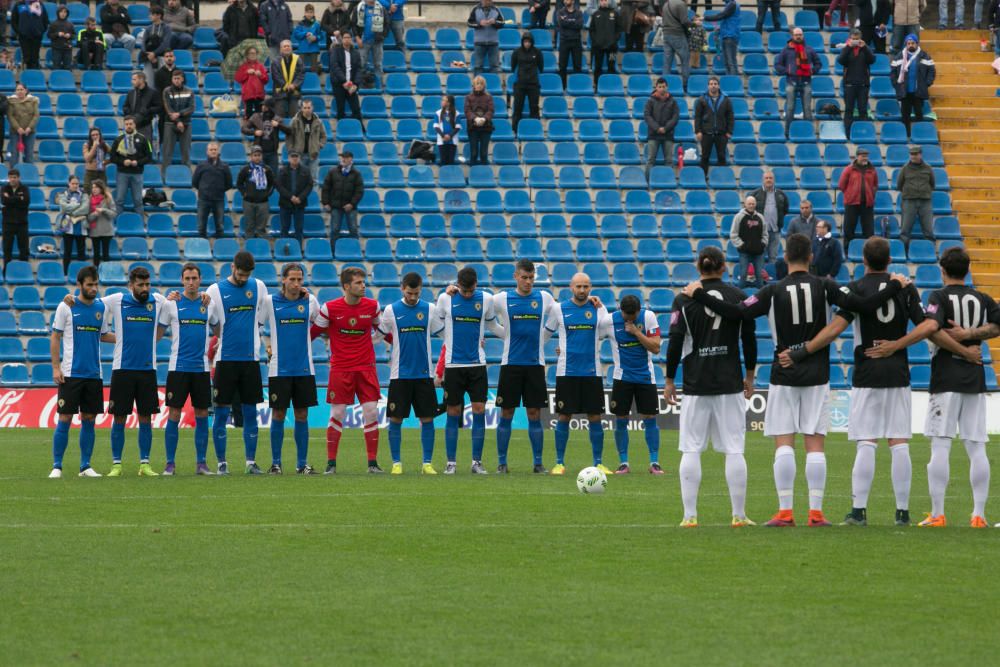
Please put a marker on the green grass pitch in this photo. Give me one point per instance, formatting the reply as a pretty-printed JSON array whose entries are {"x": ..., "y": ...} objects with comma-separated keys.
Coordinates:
[{"x": 521, "y": 570}]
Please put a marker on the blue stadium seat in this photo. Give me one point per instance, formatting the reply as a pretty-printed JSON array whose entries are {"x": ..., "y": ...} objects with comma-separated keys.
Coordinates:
[
  {"x": 447, "y": 39},
  {"x": 924, "y": 133},
  {"x": 93, "y": 82}
]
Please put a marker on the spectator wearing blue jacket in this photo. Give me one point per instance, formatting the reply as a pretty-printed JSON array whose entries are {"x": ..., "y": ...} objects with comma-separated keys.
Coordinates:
[
  {"x": 30, "y": 21},
  {"x": 798, "y": 63},
  {"x": 729, "y": 33},
  {"x": 486, "y": 20},
  {"x": 395, "y": 11},
  {"x": 913, "y": 73},
  {"x": 370, "y": 24},
  {"x": 309, "y": 38},
  {"x": 276, "y": 21}
]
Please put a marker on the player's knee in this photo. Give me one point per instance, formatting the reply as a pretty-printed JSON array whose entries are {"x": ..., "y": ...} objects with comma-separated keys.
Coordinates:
[
  {"x": 301, "y": 414},
  {"x": 533, "y": 413},
  {"x": 200, "y": 413},
  {"x": 456, "y": 410},
  {"x": 477, "y": 409}
]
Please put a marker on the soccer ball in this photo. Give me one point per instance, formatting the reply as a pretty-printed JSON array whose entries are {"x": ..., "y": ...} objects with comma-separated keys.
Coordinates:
[{"x": 591, "y": 480}]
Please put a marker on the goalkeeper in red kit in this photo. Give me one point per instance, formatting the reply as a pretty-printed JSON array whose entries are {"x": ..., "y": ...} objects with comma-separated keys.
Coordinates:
[{"x": 349, "y": 324}]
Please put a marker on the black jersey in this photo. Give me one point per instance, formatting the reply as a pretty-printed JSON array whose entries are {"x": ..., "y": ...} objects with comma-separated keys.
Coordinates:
[
  {"x": 969, "y": 308},
  {"x": 798, "y": 307},
  {"x": 709, "y": 344},
  {"x": 889, "y": 322}
]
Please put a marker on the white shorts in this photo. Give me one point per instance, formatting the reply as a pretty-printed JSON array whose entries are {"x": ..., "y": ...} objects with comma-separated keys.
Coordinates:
[
  {"x": 721, "y": 419},
  {"x": 882, "y": 412},
  {"x": 791, "y": 410},
  {"x": 951, "y": 413}
]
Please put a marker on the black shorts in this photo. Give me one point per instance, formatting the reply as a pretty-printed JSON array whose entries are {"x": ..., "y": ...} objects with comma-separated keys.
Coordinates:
[
  {"x": 133, "y": 387},
  {"x": 522, "y": 385},
  {"x": 181, "y": 384},
  {"x": 647, "y": 399},
  {"x": 83, "y": 395},
  {"x": 579, "y": 395},
  {"x": 462, "y": 380},
  {"x": 298, "y": 391},
  {"x": 418, "y": 394},
  {"x": 238, "y": 376}
]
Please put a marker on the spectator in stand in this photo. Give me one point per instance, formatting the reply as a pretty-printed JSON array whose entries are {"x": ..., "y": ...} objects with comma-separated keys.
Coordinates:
[
  {"x": 22, "y": 112},
  {"x": 143, "y": 104},
  {"x": 905, "y": 21},
  {"x": 343, "y": 188},
  {"x": 256, "y": 183},
  {"x": 61, "y": 39},
  {"x": 638, "y": 18},
  {"x": 371, "y": 24},
  {"x": 728, "y": 36},
  {"x": 993, "y": 22},
  {"x": 697, "y": 40},
  {"x": 309, "y": 39},
  {"x": 661, "y": 115},
  {"x": 345, "y": 76},
  {"x": 856, "y": 59},
  {"x": 287, "y": 73},
  {"x": 294, "y": 185},
  {"x": 858, "y": 183},
  {"x": 336, "y": 21},
  {"x": 713, "y": 123},
  {"x": 798, "y": 63},
  {"x": 16, "y": 200},
  {"x": 4, "y": 8},
  {"x": 96, "y": 156},
  {"x": 156, "y": 40},
  {"x": 114, "y": 14},
  {"x": 805, "y": 222},
  {"x": 178, "y": 108},
  {"x": 872, "y": 18},
  {"x": 913, "y": 73},
  {"x": 164, "y": 75},
  {"x": 395, "y": 11},
  {"x": 479, "y": 121},
  {"x": 843, "y": 6},
  {"x": 252, "y": 77},
  {"x": 72, "y": 223},
  {"x": 772, "y": 205},
  {"x": 828, "y": 255},
  {"x": 485, "y": 21},
  {"x": 525, "y": 64},
  {"x": 539, "y": 11},
  {"x": 447, "y": 128},
  {"x": 676, "y": 25},
  {"x": 276, "y": 22},
  {"x": 763, "y": 6},
  {"x": 605, "y": 30},
  {"x": 263, "y": 129},
  {"x": 916, "y": 184},
  {"x": 569, "y": 27},
  {"x": 4, "y": 108},
  {"x": 101, "y": 220},
  {"x": 92, "y": 46},
  {"x": 30, "y": 22},
  {"x": 130, "y": 152},
  {"x": 181, "y": 22},
  {"x": 212, "y": 179},
  {"x": 240, "y": 21},
  {"x": 749, "y": 235},
  {"x": 307, "y": 136}
]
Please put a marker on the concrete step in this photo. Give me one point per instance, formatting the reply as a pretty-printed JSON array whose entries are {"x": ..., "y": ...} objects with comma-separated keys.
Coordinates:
[
  {"x": 972, "y": 123},
  {"x": 962, "y": 56},
  {"x": 965, "y": 89},
  {"x": 986, "y": 267},
  {"x": 976, "y": 107},
  {"x": 980, "y": 242},
  {"x": 961, "y": 182},
  {"x": 979, "y": 254},
  {"x": 982, "y": 224},
  {"x": 956, "y": 158},
  {"x": 973, "y": 194},
  {"x": 946, "y": 47},
  {"x": 976, "y": 137},
  {"x": 962, "y": 145},
  {"x": 962, "y": 170},
  {"x": 963, "y": 69},
  {"x": 974, "y": 206}
]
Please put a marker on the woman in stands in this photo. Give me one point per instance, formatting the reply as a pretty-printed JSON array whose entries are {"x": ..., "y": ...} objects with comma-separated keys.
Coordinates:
[
  {"x": 447, "y": 128},
  {"x": 102, "y": 221},
  {"x": 22, "y": 112},
  {"x": 252, "y": 77},
  {"x": 72, "y": 224},
  {"x": 95, "y": 158}
]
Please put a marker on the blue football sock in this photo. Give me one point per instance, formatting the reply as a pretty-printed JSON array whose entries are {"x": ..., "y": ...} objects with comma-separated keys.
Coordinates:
[
  {"x": 301, "y": 442},
  {"x": 451, "y": 437},
  {"x": 652, "y": 438},
  {"x": 170, "y": 435},
  {"x": 145, "y": 441},
  {"x": 277, "y": 439},
  {"x": 427, "y": 440},
  {"x": 478, "y": 435},
  {"x": 535, "y": 436},
  {"x": 200, "y": 438},
  {"x": 597, "y": 441},
  {"x": 60, "y": 440},
  {"x": 117, "y": 441},
  {"x": 250, "y": 432},
  {"x": 562, "y": 439},
  {"x": 621, "y": 439},
  {"x": 87, "y": 438},
  {"x": 503, "y": 439},
  {"x": 395, "y": 440},
  {"x": 219, "y": 432}
]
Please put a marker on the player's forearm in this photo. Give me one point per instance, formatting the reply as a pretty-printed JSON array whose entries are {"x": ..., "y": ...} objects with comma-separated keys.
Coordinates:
[
  {"x": 749, "y": 339},
  {"x": 55, "y": 347},
  {"x": 675, "y": 347},
  {"x": 826, "y": 336},
  {"x": 926, "y": 328},
  {"x": 651, "y": 343},
  {"x": 984, "y": 332},
  {"x": 946, "y": 342},
  {"x": 108, "y": 338},
  {"x": 315, "y": 331}
]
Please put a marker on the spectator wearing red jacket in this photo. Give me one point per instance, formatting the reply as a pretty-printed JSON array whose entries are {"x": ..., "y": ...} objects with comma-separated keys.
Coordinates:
[
  {"x": 859, "y": 183},
  {"x": 252, "y": 77}
]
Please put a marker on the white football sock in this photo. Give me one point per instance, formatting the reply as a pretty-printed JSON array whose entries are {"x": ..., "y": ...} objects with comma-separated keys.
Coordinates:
[
  {"x": 863, "y": 473},
  {"x": 979, "y": 475},
  {"x": 784, "y": 475},
  {"x": 736, "y": 478},
  {"x": 816, "y": 479},
  {"x": 690, "y": 474},
  {"x": 937, "y": 473},
  {"x": 902, "y": 473}
]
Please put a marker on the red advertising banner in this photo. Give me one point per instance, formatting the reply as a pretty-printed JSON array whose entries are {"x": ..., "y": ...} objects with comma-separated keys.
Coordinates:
[{"x": 38, "y": 408}]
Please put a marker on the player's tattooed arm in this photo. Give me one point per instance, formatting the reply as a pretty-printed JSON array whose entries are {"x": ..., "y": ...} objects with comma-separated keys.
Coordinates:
[{"x": 988, "y": 330}]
